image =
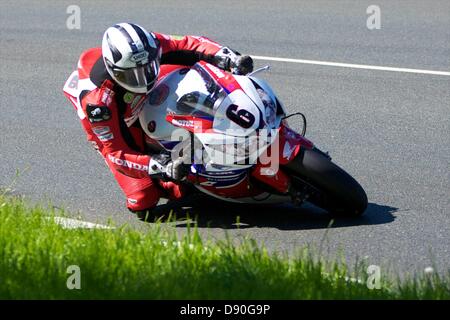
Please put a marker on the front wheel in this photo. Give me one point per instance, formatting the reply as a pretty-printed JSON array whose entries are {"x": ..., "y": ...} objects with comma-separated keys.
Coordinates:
[{"x": 333, "y": 189}]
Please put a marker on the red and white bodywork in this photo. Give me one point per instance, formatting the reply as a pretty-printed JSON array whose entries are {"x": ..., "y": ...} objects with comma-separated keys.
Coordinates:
[{"x": 231, "y": 128}]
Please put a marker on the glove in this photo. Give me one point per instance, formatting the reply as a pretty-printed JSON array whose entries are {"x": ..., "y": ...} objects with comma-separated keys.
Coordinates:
[
  {"x": 163, "y": 164},
  {"x": 230, "y": 60},
  {"x": 242, "y": 65}
]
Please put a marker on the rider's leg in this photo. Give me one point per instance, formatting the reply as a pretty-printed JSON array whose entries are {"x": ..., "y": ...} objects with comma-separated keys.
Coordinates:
[
  {"x": 143, "y": 200},
  {"x": 173, "y": 191},
  {"x": 142, "y": 194}
]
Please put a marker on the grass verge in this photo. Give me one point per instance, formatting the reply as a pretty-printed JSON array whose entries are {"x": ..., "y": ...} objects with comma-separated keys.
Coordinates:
[{"x": 121, "y": 263}]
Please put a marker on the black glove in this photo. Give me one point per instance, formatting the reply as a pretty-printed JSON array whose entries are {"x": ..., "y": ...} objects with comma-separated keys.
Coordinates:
[
  {"x": 231, "y": 60},
  {"x": 172, "y": 169},
  {"x": 242, "y": 65}
]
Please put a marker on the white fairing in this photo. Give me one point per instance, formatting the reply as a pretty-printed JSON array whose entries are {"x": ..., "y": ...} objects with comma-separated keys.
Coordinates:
[
  {"x": 222, "y": 123},
  {"x": 265, "y": 86},
  {"x": 73, "y": 87},
  {"x": 163, "y": 130},
  {"x": 170, "y": 91},
  {"x": 249, "y": 89}
]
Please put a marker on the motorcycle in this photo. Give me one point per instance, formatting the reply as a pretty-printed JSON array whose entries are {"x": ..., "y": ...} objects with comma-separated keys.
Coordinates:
[{"x": 233, "y": 134}]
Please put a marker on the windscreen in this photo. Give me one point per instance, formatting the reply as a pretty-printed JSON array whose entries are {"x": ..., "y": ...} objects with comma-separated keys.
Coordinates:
[{"x": 198, "y": 94}]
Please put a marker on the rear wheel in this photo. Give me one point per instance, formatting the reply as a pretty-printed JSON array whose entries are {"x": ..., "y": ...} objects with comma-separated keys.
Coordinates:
[{"x": 331, "y": 188}]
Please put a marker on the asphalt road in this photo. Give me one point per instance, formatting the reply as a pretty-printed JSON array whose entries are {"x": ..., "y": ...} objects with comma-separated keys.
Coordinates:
[{"x": 390, "y": 130}]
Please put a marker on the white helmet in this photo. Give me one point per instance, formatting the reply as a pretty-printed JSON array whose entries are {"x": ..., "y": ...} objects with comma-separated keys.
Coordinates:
[{"x": 132, "y": 56}]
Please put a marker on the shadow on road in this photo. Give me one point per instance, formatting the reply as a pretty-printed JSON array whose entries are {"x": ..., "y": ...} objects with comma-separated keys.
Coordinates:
[{"x": 216, "y": 214}]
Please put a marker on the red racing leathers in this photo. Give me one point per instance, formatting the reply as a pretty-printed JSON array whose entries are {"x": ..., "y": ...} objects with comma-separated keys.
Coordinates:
[{"x": 108, "y": 114}]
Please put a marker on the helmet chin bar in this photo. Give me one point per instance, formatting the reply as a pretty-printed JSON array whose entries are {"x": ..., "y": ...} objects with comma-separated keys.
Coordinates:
[
  {"x": 139, "y": 90},
  {"x": 134, "y": 79},
  {"x": 133, "y": 89}
]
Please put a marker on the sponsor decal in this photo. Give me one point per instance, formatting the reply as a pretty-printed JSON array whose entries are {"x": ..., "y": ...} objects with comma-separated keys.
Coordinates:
[
  {"x": 97, "y": 113},
  {"x": 137, "y": 101},
  {"x": 127, "y": 163},
  {"x": 103, "y": 133},
  {"x": 107, "y": 96},
  {"x": 267, "y": 172},
  {"x": 140, "y": 56},
  {"x": 136, "y": 107},
  {"x": 222, "y": 173},
  {"x": 128, "y": 97},
  {"x": 132, "y": 201},
  {"x": 106, "y": 137},
  {"x": 183, "y": 123},
  {"x": 159, "y": 95},
  {"x": 73, "y": 84},
  {"x": 101, "y": 130},
  {"x": 222, "y": 183}
]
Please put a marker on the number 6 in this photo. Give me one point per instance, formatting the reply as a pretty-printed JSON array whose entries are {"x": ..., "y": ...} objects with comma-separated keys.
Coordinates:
[{"x": 241, "y": 117}]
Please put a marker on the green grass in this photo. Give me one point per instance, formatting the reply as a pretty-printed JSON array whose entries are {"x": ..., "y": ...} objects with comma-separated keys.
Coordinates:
[{"x": 126, "y": 264}]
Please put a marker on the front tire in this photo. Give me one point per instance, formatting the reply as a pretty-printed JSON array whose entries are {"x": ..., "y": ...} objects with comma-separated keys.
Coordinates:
[{"x": 335, "y": 190}]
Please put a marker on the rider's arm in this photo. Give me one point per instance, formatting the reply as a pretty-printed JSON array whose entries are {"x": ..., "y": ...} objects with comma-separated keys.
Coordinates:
[
  {"x": 105, "y": 125},
  {"x": 187, "y": 50}
]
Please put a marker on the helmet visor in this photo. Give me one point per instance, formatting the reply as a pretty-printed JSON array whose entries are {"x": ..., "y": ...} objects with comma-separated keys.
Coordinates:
[{"x": 141, "y": 76}]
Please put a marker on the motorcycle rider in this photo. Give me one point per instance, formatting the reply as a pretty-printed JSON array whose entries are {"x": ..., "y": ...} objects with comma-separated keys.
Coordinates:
[{"x": 115, "y": 80}]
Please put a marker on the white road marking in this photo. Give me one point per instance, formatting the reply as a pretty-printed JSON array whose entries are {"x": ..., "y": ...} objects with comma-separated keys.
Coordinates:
[
  {"x": 68, "y": 223},
  {"x": 355, "y": 66}
]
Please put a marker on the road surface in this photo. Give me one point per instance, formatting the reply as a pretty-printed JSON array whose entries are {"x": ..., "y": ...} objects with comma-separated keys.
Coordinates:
[{"x": 389, "y": 129}]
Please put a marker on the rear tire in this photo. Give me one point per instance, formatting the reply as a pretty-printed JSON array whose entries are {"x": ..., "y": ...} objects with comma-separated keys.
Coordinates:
[{"x": 336, "y": 191}]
